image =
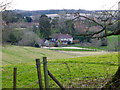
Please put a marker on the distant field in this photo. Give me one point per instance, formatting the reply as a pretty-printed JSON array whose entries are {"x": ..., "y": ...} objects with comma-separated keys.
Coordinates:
[
  {"x": 113, "y": 42},
  {"x": 72, "y": 50},
  {"x": 69, "y": 71},
  {"x": 19, "y": 54}
]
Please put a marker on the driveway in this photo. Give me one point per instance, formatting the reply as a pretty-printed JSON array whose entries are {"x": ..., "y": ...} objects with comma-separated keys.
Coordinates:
[{"x": 68, "y": 48}]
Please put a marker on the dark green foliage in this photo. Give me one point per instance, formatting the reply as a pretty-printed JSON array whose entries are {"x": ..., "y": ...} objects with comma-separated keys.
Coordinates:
[
  {"x": 54, "y": 23},
  {"x": 69, "y": 27},
  {"x": 55, "y": 26},
  {"x": 14, "y": 37},
  {"x": 45, "y": 26},
  {"x": 10, "y": 35},
  {"x": 10, "y": 16},
  {"x": 65, "y": 27},
  {"x": 28, "y": 19},
  {"x": 82, "y": 38}
]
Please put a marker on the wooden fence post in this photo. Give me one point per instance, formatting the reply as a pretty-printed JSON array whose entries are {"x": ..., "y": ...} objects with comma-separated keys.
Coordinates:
[
  {"x": 14, "y": 78},
  {"x": 57, "y": 82},
  {"x": 39, "y": 73},
  {"x": 45, "y": 73}
]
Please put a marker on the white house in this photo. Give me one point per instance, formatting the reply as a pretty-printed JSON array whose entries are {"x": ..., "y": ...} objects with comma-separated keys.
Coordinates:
[{"x": 63, "y": 38}]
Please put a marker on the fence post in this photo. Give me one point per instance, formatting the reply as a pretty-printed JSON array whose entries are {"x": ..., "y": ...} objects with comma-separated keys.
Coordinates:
[
  {"x": 14, "y": 78},
  {"x": 45, "y": 73},
  {"x": 57, "y": 82},
  {"x": 38, "y": 65}
]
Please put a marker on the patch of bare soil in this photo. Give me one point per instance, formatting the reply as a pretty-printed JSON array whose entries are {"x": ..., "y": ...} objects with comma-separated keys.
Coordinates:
[{"x": 93, "y": 83}]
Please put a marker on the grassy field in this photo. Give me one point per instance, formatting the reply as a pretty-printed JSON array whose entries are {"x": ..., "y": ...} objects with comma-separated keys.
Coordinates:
[
  {"x": 19, "y": 54},
  {"x": 72, "y": 50},
  {"x": 71, "y": 72},
  {"x": 113, "y": 42}
]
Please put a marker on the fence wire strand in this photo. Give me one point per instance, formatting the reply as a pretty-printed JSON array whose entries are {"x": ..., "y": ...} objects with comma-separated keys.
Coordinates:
[
  {"x": 10, "y": 76},
  {"x": 33, "y": 83},
  {"x": 70, "y": 76}
]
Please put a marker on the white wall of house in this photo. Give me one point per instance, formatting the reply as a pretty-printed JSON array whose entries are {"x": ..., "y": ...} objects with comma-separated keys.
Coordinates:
[{"x": 66, "y": 39}]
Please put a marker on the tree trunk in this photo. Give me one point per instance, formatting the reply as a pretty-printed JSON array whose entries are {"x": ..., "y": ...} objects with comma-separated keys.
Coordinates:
[{"x": 115, "y": 82}]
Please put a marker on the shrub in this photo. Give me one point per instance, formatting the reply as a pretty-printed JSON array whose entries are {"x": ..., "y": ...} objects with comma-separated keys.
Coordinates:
[
  {"x": 29, "y": 38},
  {"x": 11, "y": 36}
]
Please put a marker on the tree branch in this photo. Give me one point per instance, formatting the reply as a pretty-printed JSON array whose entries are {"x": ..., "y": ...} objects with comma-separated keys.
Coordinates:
[{"x": 88, "y": 19}]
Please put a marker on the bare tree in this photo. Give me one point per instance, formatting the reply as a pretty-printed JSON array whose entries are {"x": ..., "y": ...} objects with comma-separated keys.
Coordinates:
[
  {"x": 4, "y": 5},
  {"x": 106, "y": 20}
]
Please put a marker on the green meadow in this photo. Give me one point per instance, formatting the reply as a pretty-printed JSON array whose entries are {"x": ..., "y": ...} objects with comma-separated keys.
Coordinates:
[
  {"x": 72, "y": 50},
  {"x": 21, "y": 54},
  {"x": 69, "y": 70}
]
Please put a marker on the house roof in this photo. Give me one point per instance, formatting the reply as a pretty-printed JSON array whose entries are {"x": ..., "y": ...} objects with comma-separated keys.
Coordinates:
[{"x": 58, "y": 36}]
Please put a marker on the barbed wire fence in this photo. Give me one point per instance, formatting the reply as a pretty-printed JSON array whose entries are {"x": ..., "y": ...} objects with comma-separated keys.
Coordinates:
[
  {"x": 65, "y": 75},
  {"x": 74, "y": 79}
]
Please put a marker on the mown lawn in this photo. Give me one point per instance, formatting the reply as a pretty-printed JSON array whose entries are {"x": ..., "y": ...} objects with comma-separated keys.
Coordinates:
[
  {"x": 21, "y": 54},
  {"x": 72, "y": 49},
  {"x": 71, "y": 72}
]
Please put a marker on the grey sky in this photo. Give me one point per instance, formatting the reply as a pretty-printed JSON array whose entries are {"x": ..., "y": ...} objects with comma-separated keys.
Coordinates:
[{"x": 63, "y": 4}]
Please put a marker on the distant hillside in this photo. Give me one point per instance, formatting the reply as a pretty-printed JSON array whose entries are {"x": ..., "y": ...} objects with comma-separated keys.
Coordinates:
[
  {"x": 57, "y": 11},
  {"x": 41, "y": 12}
]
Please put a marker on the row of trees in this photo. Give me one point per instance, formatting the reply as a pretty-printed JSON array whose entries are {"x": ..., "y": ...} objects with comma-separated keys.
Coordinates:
[
  {"x": 10, "y": 16},
  {"x": 48, "y": 26}
]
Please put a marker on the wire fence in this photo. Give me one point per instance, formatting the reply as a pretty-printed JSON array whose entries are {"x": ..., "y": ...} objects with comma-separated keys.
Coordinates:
[
  {"x": 70, "y": 75},
  {"x": 74, "y": 73}
]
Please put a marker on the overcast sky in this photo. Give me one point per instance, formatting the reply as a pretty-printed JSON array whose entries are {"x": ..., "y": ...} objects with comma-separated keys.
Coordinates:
[{"x": 63, "y": 4}]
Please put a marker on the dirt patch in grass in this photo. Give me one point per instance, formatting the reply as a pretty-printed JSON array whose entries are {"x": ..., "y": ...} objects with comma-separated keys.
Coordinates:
[{"x": 93, "y": 83}]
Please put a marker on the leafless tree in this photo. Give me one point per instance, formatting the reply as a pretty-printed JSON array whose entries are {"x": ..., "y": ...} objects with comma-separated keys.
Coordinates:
[
  {"x": 105, "y": 19},
  {"x": 4, "y": 5}
]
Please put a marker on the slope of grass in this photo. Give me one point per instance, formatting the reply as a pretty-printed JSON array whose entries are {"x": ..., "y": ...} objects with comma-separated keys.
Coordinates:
[
  {"x": 77, "y": 45},
  {"x": 113, "y": 42},
  {"x": 19, "y": 54},
  {"x": 69, "y": 71},
  {"x": 72, "y": 49}
]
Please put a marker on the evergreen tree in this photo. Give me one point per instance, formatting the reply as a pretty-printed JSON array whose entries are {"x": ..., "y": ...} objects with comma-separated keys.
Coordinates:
[{"x": 45, "y": 26}]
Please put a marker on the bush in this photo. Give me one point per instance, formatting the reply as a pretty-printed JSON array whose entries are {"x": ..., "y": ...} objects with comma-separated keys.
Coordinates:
[
  {"x": 11, "y": 36},
  {"x": 15, "y": 37},
  {"x": 29, "y": 38}
]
